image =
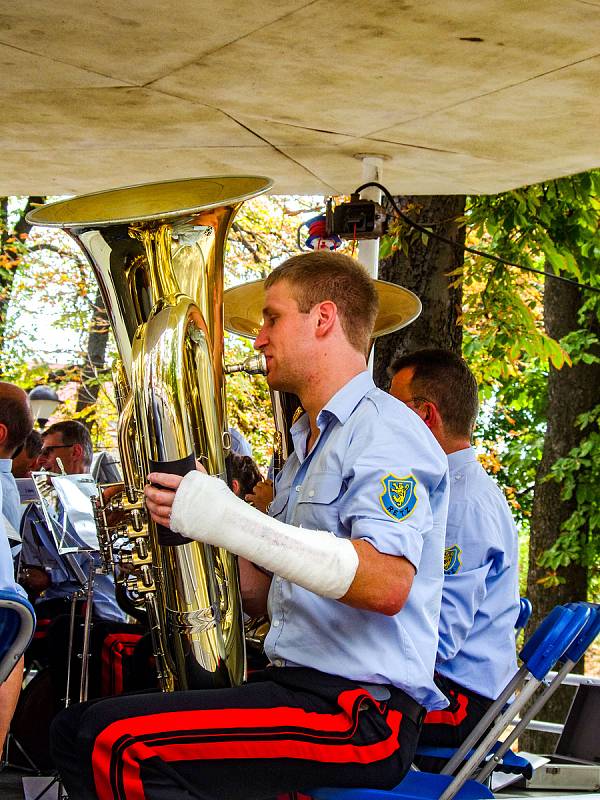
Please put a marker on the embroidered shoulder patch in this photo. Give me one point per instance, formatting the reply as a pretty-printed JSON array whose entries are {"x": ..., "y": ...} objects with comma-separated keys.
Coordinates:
[
  {"x": 399, "y": 497},
  {"x": 452, "y": 562}
]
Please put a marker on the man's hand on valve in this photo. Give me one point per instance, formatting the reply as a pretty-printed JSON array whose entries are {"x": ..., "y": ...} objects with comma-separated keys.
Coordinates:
[{"x": 160, "y": 494}]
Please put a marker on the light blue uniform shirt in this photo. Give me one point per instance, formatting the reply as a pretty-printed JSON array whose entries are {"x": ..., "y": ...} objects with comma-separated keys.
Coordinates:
[
  {"x": 7, "y": 574},
  {"x": 366, "y": 437},
  {"x": 480, "y": 600},
  {"x": 239, "y": 445},
  {"x": 11, "y": 503}
]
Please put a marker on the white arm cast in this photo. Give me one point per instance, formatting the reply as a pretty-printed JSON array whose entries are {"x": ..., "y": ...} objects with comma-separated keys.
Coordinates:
[{"x": 206, "y": 510}]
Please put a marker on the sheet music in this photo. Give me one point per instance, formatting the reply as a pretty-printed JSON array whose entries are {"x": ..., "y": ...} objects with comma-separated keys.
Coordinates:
[
  {"x": 66, "y": 504},
  {"x": 27, "y": 491},
  {"x": 75, "y": 493}
]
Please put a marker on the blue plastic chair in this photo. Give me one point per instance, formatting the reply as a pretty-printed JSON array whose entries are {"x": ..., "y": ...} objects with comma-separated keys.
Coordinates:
[
  {"x": 416, "y": 785},
  {"x": 552, "y": 639},
  {"x": 509, "y": 762},
  {"x": 525, "y": 610},
  {"x": 568, "y": 659},
  {"x": 17, "y": 624}
]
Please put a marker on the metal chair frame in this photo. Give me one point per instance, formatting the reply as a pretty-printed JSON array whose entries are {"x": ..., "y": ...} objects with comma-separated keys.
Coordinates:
[{"x": 563, "y": 635}]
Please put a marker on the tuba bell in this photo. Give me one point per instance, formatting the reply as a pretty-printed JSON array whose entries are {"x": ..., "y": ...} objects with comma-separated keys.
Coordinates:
[{"x": 157, "y": 253}]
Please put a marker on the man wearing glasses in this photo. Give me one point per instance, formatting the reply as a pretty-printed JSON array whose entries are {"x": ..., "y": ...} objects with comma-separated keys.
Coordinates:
[
  {"x": 68, "y": 444},
  {"x": 67, "y": 448},
  {"x": 480, "y": 597}
]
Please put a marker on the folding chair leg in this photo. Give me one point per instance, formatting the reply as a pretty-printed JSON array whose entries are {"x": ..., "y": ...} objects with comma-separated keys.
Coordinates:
[
  {"x": 484, "y": 747},
  {"x": 540, "y": 701},
  {"x": 488, "y": 719}
]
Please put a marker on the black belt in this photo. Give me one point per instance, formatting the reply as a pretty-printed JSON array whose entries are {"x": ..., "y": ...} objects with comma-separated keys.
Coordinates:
[{"x": 409, "y": 707}]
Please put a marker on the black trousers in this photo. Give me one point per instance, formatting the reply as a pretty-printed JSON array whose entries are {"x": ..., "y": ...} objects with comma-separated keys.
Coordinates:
[
  {"x": 288, "y": 729},
  {"x": 451, "y": 726}
]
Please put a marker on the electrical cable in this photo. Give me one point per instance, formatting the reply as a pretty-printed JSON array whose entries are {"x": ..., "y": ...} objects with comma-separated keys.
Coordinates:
[{"x": 467, "y": 249}]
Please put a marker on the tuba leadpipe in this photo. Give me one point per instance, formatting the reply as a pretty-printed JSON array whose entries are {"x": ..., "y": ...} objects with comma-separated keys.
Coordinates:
[{"x": 157, "y": 253}]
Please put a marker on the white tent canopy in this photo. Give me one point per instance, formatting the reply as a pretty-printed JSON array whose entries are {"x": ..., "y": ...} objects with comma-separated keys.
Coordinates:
[{"x": 458, "y": 97}]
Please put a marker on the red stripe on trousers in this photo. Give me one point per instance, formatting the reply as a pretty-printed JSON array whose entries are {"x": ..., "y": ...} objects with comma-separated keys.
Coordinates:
[
  {"x": 446, "y": 717},
  {"x": 133, "y": 752},
  {"x": 41, "y": 628},
  {"x": 114, "y": 648}
]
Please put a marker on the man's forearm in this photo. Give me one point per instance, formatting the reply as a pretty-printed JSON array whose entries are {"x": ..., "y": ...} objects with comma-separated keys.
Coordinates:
[{"x": 254, "y": 584}]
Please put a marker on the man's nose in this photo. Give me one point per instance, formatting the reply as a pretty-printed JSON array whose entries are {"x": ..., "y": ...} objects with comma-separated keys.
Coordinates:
[{"x": 261, "y": 339}]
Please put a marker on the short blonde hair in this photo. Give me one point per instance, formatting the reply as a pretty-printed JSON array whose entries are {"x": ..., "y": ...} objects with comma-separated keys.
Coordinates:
[{"x": 323, "y": 275}]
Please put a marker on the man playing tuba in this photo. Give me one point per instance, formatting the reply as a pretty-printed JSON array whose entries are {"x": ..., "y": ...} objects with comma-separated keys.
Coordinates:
[{"x": 350, "y": 575}]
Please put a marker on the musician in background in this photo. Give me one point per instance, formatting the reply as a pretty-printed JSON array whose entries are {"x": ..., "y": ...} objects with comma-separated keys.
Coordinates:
[
  {"x": 25, "y": 459},
  {"x": 244, "y": 475},
  {"x": 349, "y": 563},
  {"x": 16, "y": 423},
  {"x": 480, "y": 600},
  {"x": 239, "y": 445},
  {"x": 53, "y": 579},
  {"x": 45, "y": 573}
]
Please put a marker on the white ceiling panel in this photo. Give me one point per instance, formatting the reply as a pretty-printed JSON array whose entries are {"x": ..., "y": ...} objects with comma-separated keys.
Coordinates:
[{"x": 457, "y": 97}]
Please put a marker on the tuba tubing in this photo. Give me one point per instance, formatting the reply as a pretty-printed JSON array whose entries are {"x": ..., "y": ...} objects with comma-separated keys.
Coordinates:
[{"x": 157, "y": 253}]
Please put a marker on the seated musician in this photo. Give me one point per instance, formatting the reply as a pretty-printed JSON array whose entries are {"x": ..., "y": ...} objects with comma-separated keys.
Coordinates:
[
  {"x": 480, "y": 600},
  {"x": 350, "y": 566},
  {"x": 244, "y": 475},
  {"x": 16, "y": 423},
  {"x": 50, "y": 577},
  {"x": 25, "y": 459}
]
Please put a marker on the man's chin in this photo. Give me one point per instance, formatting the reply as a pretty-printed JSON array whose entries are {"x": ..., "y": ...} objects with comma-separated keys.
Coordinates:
[{"x": 276, "y": 383}]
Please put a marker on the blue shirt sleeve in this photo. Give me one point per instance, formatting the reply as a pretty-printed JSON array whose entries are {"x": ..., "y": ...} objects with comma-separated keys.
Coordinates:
[
  {"x": 7, "y": 575},
  {"x": 387, "y": 501},
  {"x": 475, "y": 532}
]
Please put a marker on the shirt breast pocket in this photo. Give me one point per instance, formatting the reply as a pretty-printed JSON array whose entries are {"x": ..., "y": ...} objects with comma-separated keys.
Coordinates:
[
  {"x": 318, "y": 506},
  {"x": 278, "y": 505}
]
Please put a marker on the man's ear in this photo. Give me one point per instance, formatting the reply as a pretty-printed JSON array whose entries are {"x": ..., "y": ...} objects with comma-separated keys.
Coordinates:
[
  {"x": 77, "y": 451},
  {"x": 235, "y": 486},
  {"x": 430, "y": 415},
  {"x": 326, "y": 317},
  {"x": 3, "y": 433}
]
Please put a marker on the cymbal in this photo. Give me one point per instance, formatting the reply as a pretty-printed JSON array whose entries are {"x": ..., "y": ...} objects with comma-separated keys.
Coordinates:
[{"x": 398, "y": 307}]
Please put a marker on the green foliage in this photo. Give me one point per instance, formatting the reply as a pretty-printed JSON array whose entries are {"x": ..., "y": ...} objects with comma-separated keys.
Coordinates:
[
  {"x": 553, "y": 227},
  {"x": 249, "y": 403},
  {"x": 53, "y": 283},
  {"x": 578, "y": 473}
]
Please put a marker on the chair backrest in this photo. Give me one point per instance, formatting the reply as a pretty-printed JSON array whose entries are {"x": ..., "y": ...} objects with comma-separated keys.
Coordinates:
[
  {"x": 525, "y": 610},
  {"x": 586, "y": 636},
  {"x": 17, "y": 624},
  {"x": 553, "y": 636}
]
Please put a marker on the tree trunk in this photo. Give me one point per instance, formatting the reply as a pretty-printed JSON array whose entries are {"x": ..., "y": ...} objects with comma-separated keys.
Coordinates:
[
  {"x": 571, "y": 392},
  {"x": 425, "y": 272},
  {"x": 9, "y": 257},
  {"x": 91, "y": 375}
]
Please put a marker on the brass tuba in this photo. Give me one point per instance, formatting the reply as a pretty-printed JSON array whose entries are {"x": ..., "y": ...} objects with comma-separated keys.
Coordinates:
[{"x": 157, "y": 253}]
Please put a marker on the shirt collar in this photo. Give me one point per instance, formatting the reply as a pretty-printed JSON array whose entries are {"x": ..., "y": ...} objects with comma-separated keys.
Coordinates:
[
  {"x": 459, "y": 458},
  {"x": 340, "y": 406},
  {"x": 5, "y": 464},
  {"x": 345, "y": 400}
]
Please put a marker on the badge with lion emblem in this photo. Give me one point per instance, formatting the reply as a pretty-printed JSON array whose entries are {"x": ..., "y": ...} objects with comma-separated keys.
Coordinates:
[
  {"x": 399, "y": 497},
  {"x": 452, "y": 562}
]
